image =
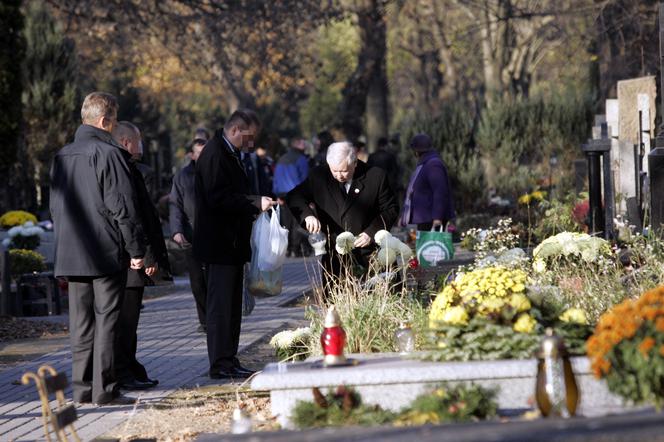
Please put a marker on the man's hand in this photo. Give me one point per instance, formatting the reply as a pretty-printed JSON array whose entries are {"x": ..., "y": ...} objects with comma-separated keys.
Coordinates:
[
  {"x": 362, "y": 240},
  {"x": 180, "y": 239},
  {"x": 136, "y": 263},
  {"x": 151, "y": 270},
  {"x": 266, "y": 203},
  {"x": 312, "y": 224}
]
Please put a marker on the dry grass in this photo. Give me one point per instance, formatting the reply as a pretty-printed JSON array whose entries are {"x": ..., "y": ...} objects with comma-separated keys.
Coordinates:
[{"x": 188, "y": 413}]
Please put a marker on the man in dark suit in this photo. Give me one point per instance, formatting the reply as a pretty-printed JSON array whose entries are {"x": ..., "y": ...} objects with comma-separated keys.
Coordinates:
[
  {"x": 347, "y": 195},
  {"x": 182, "y": 205},
  {"x": 131, "y": 374},
  {"x": 225, "y": 211},
  {"x": 98, "y": 236}
]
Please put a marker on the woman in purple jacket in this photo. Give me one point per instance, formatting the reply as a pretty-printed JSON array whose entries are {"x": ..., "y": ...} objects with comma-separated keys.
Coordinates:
[{"x": 428, "y": 200}]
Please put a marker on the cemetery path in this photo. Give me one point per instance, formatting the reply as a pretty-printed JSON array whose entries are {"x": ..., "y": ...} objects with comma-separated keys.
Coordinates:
[{"x": 169, "y": 347}]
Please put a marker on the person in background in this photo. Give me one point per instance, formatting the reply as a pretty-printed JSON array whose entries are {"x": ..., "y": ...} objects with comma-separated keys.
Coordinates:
[
  {"x": 387, "y": 161},
  {"x": 322, "y": 142},
  {"x": 224, "y": 215},
  {"x": 266, "y": 162},
  {"x": 201, "y": 133},
  {"x": 361, "y": 149},
  {"x": 182, "y": 204},
  {"x": 131, "y": 374},
  {"x": 98, "y": 236},
  {"x": 292, "y": 168},
  {"x": 428, "y": 202}
]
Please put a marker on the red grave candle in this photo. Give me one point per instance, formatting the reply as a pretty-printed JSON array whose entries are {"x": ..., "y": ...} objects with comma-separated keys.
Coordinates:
[{"x": 333, "y": 339}]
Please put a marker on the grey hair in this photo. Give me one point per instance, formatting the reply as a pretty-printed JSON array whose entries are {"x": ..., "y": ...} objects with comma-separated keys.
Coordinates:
[
  {"x": 97, "y": 105},
  {"x": 339, "y": 152},
  {"x": 125, "y": 129}
]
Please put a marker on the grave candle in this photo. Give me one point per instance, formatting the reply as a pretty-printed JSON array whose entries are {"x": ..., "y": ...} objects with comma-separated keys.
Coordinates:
[{"x": 333, "y": 339}]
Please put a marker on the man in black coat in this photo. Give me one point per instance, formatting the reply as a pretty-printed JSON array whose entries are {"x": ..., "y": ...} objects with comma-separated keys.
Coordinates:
[
  {"x": 130, "y": 373},
  {"x": 225, "y": 212},
  {"x": 182, "y": 205},
  {"x": 347, "y": 195},
  {"x": 98, "y": 236}
]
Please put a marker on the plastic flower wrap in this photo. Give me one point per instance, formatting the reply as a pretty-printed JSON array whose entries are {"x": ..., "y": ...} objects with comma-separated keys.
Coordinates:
[
  {"x": 574, "y": 315},
  {"x": 345, "y": 243}
]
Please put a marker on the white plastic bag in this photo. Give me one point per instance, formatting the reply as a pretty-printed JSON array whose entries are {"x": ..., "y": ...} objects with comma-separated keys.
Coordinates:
[{"x": 270, "y": 240}]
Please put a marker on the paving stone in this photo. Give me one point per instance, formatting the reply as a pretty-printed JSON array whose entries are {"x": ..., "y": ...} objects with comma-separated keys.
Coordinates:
[{"x": 168, "y": 344}]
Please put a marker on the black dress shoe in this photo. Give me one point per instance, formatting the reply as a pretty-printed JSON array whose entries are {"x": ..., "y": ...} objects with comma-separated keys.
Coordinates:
[
  {"x": 117, "y": 399},
  {"x": 244, "y": 371},
  {"x": 150, "y": 381},
  {"x": 136, "y": 385},
  {"x": 228, "y": 373}
]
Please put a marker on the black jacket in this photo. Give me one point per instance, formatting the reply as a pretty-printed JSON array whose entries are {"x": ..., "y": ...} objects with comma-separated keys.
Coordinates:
[
  {"x": 93, "y": 205},
  {"x": 224, "y": 209},
  {"x": 368, "y": 207},
  {"x": 182, "y": 203},
  {"x": 155, "y": 251}
]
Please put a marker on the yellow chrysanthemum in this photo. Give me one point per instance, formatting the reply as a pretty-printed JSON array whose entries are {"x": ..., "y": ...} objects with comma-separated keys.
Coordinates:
[
  {"x": 525, "y": 324},
  {"x": 519, "y": 302},
  {"x": 574, "y": 315},
  {"x": 455, "y": 316}
]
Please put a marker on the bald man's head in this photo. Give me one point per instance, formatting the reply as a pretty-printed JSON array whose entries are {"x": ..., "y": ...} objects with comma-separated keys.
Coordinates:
[{"x": 129, "y": 137}]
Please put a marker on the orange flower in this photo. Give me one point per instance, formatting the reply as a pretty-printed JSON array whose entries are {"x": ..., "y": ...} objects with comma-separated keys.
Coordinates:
[
  {"x": 659, "y": 324},
  {"x": 646, "y": 345}
]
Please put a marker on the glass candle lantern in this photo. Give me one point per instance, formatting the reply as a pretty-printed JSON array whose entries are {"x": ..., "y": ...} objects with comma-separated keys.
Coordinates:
[
  {"x": 333, "y": 339},
  {"x": 405, "y": 338},
  {"x": 317, "y": 241}
]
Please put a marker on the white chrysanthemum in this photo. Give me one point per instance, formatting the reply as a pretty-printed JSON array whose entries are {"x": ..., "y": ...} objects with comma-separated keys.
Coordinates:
[
  {"x": 539, "y": 266},
  {"x": 345, "y": 243},
  {"x": 28, "y": 224},
  {"x": 287, "y": 338},
  {"x": 386, "y": 256},
  {"x": 6, "y": 242},
  {"x": 381, "y": 236},
  {"x": 16, "y": 230},
  {"x": 405, "y": 251}
]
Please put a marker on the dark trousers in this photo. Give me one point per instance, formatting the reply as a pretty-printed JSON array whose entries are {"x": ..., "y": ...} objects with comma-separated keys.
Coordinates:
[
  {"x": 94, "y": 309},
  {"x": 297, "y": 236},
  {"x": 127, "y": 368},
  {"x": 224, "y": 314},
  {"x": 198, "y": 283}
]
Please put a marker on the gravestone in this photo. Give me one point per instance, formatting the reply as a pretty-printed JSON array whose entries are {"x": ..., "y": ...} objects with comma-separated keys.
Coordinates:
[
  {"x": 634, "y": 95},
  {"x": 393, "y": 382}
]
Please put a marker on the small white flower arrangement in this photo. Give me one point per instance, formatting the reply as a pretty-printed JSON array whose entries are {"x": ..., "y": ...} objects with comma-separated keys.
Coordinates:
[
  {"x": 291, "y": 345},
  {"x": 26, "y": 236},
  {"x": 572, "y": 245},
  {"x": 345, "y": 243},
  {"x": 391, "y": 250}
]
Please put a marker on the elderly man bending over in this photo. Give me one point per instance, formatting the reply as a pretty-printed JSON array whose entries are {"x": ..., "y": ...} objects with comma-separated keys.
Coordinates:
[{"x": 345, "y": 195}]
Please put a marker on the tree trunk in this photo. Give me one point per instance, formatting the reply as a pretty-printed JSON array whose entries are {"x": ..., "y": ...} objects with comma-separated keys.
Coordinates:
[{"x": 367, "y": 90}]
